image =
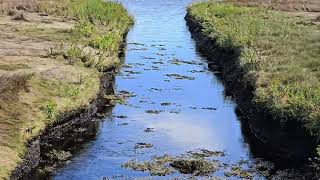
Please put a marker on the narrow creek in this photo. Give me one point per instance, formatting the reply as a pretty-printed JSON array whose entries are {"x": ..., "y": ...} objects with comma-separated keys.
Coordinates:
[{"x": 177, "y": 104}]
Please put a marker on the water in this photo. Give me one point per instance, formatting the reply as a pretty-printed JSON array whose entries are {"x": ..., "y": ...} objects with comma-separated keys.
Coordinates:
[{"x": 196, "y": 113}]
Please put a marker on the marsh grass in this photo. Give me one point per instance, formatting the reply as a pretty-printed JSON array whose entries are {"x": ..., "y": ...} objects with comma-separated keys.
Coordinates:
[
  {"x": 108, "y": 41},
  {"x": 29, "y": 102},
  {"x": 10, "y": 86},
  {"x": 8, "y": 5},
  {"x": 102, "y": 24},
  {"x": 279, "y": 57}
]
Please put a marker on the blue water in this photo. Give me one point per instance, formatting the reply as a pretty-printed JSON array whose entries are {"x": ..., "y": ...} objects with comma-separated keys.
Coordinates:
[{"x": 159, "y": 36}]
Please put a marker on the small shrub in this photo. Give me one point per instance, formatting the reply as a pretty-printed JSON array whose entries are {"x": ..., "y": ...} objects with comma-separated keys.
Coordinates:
[
  {"x": 49, "y": 109},
  {"x": 85, "y": 27},
  {"x": 108, "y": 42},
  {"x": 73, "y": 54}
]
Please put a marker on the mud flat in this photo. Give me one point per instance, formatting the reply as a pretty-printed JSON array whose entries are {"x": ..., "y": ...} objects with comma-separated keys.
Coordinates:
[{"x": 288, "y": 143}]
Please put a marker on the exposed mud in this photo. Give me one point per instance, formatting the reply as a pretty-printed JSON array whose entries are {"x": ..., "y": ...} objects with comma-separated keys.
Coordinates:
[
  {"x": 166, "y": 104},
  {"x": 121, "y": 117},
  {"x": 149, "y": 130},
  {"x": 143, "y": 145},
  {"x": 156, "y": 167},
  {"x": 203, "y": 153},
  {"x": 154, "y": 111},
  {"x": 196, "y": 167},
  {"x": 202, "y": 162},
  {"x": 180, "y": 77},
  {"x": 181, "y": 62}
]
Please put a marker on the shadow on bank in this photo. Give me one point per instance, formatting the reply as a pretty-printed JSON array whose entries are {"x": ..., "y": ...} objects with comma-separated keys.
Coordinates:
[
  {"x": 286, "y": 145},
  {"x": 60, "y": 141}
]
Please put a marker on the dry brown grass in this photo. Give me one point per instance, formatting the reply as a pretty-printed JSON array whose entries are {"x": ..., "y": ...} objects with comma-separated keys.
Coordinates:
[
  {"x": 8, "y": 5},
  {"x": 10, "y": 86},
  {"x": 25, "y": 99},
  {"x": 286, "y": 5},
  {"x": 28, "y": 83}
]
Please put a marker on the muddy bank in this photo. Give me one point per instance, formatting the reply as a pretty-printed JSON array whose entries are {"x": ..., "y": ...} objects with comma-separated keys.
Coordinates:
[
  {"x": 52, "y": 64},
  {"x": 287, "y": 146},
  {"x": 65, "y": 136}
]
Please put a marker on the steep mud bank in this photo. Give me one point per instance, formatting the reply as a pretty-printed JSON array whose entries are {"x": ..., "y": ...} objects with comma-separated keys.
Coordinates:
[
  {"x": 65, "y": 136},
  {"x": 288, "y": 146}
]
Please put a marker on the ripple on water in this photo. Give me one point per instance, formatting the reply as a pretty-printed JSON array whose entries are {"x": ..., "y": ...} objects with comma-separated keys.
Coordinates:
[{"x": 172, "y": 106}]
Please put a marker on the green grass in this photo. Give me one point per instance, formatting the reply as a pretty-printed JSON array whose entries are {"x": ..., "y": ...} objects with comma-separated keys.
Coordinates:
[
  {"x": 108, "y": 41},
  {"x": 95, "y": 14},
  {"x": 104, "y": 25},
  {"x": 85, "y": 27},
  {"x": 99, "y": 24},
  {"x": 30, "y": 103},
  {"x": 279, "y": 57}
]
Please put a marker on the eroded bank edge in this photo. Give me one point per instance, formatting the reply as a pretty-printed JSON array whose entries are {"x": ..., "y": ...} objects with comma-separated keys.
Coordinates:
[{"x": 284, "y": 145}]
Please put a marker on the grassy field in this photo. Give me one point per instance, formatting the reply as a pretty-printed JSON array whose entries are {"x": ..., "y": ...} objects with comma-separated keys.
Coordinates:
[
  {"x": 50, "y": 65},
  {"x": 101, "y": 24},
  {"x": 284, "y": 5},
  {"x": 279, "y": 56}
]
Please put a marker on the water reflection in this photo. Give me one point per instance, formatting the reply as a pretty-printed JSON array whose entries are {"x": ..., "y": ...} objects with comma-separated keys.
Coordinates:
[{"x": 175, "y": 94}]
